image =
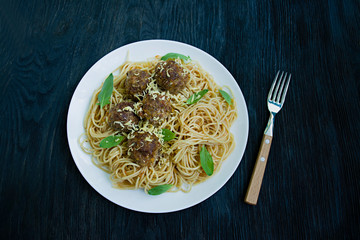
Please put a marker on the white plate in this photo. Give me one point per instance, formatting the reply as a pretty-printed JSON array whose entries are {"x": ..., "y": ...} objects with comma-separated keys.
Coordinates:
[{"x": 138, "y": 200}]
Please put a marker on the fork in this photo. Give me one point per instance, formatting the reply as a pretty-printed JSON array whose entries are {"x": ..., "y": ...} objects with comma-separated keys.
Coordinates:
[{"x": 275, "y": 101}]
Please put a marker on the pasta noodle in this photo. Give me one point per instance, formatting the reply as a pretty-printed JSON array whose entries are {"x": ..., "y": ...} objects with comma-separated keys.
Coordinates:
[{"x": 205, "y": 123}]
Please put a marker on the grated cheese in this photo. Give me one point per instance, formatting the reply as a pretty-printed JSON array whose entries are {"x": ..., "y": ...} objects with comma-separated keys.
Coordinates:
[
  {"x": 128, "y": 108},
  {"x": 128, "y": 123},
  {"x": 120, "y": 123}
]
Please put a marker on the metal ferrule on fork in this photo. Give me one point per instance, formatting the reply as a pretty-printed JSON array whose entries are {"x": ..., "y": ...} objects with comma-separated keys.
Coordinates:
[{"x": 270, "y": 125}]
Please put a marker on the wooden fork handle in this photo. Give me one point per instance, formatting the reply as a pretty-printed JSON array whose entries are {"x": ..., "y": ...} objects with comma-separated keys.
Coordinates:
[{"x": 253, "y": 190}]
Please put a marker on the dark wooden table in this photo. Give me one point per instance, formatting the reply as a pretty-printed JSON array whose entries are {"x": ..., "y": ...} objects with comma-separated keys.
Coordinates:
[{"x": 311, "y": 186}]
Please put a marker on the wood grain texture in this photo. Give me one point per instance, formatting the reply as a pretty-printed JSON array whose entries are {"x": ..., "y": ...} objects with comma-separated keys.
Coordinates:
[
  {"x": 253, "y": 190},
  {"x": 311, "y": 188}
]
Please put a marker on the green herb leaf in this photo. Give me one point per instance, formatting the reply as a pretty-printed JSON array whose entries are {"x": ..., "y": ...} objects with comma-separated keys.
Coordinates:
[
  {"x": 159, "y": 189},
  {"x": 106, "y": 91},
  {"x": 196, "y": 96},
  {"x": 111, "y": 141},
  {"x": 206, "y": 161},
  {"x": 174, "y": 56},
  {"x": 168, "y": 135},
  {"x": 226, "y": 96}
]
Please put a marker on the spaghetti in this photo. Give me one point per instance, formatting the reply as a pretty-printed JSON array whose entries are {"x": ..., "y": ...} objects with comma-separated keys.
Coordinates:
[{"x": 205, "y": 123}]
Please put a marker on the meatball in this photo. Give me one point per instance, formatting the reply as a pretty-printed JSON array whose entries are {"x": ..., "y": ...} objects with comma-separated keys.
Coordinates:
[
  {"x": 170, "y": 76},
  {"x": 145, "y": 148},
  {"x": 122, "y": 117},
  {"x": 136, "y": 81},
  {"x": 155, "y": 108}
]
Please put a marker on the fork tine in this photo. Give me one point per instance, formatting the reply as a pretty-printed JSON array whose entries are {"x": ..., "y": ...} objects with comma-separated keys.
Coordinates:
[
  {"x": 273, "y": 85},
  {"x": 281, "y": 88},
  {"x": 277, "y": 87},
  {"x": 285, "y": 90}
]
